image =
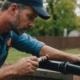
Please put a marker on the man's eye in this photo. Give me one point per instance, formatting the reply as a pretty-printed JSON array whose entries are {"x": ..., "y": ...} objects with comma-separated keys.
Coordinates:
[{"x": 30, "y": 17}]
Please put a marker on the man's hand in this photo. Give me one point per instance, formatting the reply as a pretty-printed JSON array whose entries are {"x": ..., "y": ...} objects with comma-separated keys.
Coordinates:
[
  {"x": 22, "y": 67},
  {"x": 26, "y": 66}
]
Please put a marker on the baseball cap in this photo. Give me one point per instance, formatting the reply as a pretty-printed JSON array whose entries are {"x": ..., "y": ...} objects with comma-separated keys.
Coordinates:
[{"x": 36, "y": 5}]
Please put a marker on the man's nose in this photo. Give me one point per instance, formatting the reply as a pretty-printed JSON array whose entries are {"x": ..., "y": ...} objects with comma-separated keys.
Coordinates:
[{"x": 31, "y": 24}]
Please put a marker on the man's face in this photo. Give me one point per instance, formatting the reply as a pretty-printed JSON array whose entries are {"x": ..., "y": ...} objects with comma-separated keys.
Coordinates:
[{"x": 23, "y": 20}]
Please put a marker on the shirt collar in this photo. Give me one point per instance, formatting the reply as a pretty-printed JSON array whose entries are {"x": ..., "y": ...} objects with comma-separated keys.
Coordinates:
[{"x": 4, "y": 35}]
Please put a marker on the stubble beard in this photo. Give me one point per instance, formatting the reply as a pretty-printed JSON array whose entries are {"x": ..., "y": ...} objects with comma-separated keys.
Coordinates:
[
  {"x": 15, "y": 25},
  {"x": 15, "y": 29}
]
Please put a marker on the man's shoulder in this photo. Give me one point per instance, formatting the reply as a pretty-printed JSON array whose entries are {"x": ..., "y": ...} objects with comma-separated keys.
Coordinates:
[
  {"x": 14, "y": 34},
  {"x": 24, "y": 36}
]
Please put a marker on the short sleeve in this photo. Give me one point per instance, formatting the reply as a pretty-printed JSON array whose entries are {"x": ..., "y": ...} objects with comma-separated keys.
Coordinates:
[{"x": 26, "y": 43}]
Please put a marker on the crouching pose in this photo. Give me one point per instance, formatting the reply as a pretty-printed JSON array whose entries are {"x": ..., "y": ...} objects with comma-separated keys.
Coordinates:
[{"x": 16, "y": 16}]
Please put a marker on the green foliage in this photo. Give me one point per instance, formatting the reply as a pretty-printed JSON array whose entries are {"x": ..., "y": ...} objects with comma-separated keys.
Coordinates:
[
  {"x": 62, "y": 16},
  {"x": 0, "y": 3},
  {"x": 78, "y": 23}
]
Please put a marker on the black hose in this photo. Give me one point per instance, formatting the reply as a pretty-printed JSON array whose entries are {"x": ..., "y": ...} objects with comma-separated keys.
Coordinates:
[{"x": 63, "y": 67}]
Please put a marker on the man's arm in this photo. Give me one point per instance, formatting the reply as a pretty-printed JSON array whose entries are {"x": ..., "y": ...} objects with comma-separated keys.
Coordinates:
[
  {"x": 22, "y": 67},
  {"x": 7, "y": 72},
  {"x": 35, "y": 47},
  {"x": 56, "y": 54}
]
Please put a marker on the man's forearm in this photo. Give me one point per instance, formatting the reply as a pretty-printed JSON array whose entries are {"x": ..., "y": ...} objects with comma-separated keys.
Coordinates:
[
  {"x": 7, "y": 72},
  {"x": 55, "y": 54}
]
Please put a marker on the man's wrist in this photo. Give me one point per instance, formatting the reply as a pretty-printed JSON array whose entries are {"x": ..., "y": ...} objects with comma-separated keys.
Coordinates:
[
  {"x": 12, "y": 70},
  {"x": 7, "y": 72}
]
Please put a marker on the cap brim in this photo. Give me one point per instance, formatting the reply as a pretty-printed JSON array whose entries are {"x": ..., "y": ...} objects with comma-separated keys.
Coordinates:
[{"x": 42, "y": 13}]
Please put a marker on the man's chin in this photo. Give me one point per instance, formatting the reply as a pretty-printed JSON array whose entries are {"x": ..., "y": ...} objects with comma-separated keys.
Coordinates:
[{"x": 18, "y": 33}]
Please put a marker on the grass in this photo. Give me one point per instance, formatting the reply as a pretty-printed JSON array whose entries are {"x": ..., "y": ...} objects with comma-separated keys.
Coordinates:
[
  {"x": 72, "y": 51},
  {"x": 15, "y": 55}
]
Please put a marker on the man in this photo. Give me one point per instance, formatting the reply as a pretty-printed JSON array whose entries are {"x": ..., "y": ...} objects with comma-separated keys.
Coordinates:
[{"x": 16, "y": 16}]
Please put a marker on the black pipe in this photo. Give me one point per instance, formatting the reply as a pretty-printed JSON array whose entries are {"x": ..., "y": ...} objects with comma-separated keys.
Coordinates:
[{"x": 63, "y": 67}]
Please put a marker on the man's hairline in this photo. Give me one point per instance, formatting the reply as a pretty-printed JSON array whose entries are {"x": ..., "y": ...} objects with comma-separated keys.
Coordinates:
[
  {"x": 26, "y": 6},
  {"x": 18, "y": 4}
]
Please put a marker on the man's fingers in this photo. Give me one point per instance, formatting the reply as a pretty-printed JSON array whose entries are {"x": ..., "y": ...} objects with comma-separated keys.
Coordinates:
[
  {"x": 34, "y": 68},
  {"x": 34, "y": 58},
  {"x": 26, "y": 65},
  {"x": 35, "y": 63}
]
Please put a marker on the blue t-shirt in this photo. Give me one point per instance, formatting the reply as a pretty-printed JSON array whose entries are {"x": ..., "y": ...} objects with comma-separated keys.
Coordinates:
[{"x": 24, "y": 43}]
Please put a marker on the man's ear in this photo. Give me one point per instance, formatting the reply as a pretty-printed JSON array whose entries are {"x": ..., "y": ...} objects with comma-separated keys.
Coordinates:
[{"x": 13, "y": 9}]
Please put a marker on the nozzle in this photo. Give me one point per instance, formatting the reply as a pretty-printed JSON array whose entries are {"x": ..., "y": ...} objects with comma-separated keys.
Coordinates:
[{"x": 43, "y": 58}]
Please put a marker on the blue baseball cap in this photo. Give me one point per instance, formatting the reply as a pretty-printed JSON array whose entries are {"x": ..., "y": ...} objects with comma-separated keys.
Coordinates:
[{"x": 36, "y": 5}]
